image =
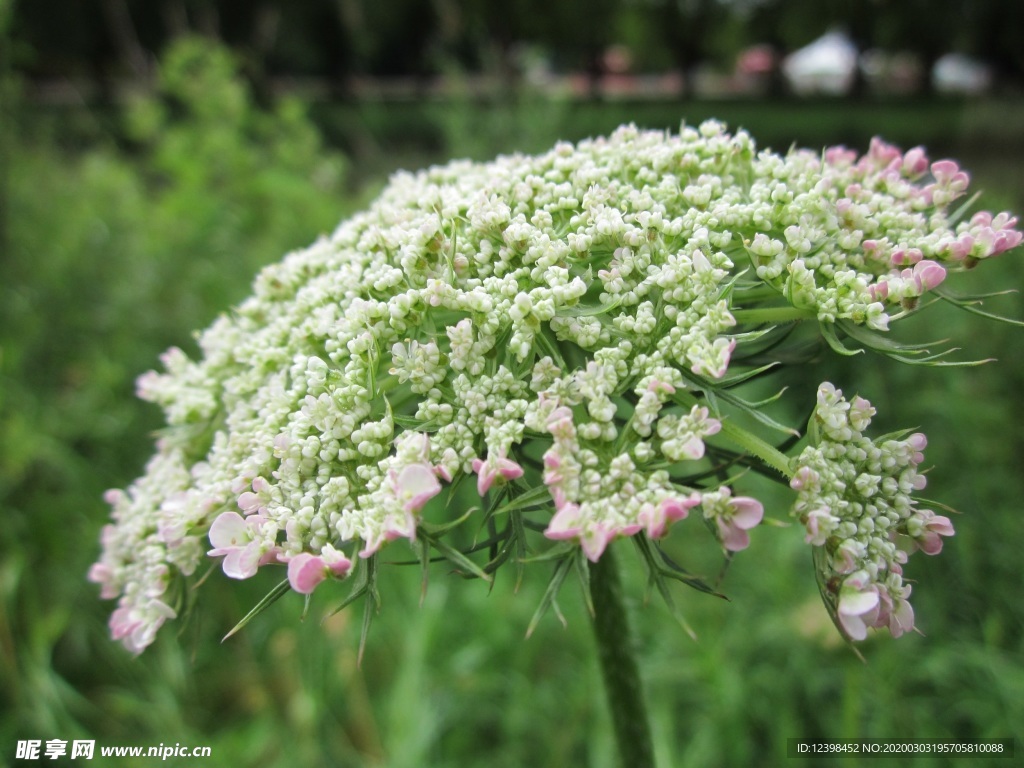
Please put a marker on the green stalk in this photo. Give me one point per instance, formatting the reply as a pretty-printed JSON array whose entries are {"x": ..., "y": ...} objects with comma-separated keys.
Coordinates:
[
  {"x": 755, "y": 446},
  {"x": 773, "y": 315},
  {"x": 617, "y": 654}
]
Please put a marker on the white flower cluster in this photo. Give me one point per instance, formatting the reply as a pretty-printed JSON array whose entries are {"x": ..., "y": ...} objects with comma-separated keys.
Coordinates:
[
  {"x": 855, "y": 498},
  {"x": 582, "y": 299}
]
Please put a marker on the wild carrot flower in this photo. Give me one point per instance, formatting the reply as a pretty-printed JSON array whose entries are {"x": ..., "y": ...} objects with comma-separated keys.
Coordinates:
[{"x": 570, "y": 333}]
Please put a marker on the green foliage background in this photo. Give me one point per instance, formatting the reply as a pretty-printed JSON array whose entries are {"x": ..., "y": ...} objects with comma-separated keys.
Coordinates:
[{"x": 125, "y": 231}]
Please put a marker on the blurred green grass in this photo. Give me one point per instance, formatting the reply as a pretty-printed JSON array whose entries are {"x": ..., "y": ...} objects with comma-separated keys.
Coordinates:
[{"x": 128, "y": 231}]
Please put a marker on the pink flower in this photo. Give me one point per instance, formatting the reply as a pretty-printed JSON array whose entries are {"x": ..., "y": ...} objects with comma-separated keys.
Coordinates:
[
  {"x": 660, "y": 387},
  {"x": 733, "y": 529},
  {"x": 122, "y": 623},
  {"x": 238, "y": 540},
  {"x": 102, "y": 574},
  {"x": 147, "y": 386},
  {"x": 306, "y": 571},
  {"x": 840, "y": 156},
  {"x": 985, "y": 219},
  {"x": 1005, "y": 240},
  {"x": 254, "y": 501},
  {"x": 902, "y": 256},
  {"x": 860, "y": 414},
  {"x": 858, "y": 605},
  {"x": 805, "y": 478},
  {"x": 915, "y": 162},
  {"x": 702, "y": 426},
  {"x": 883, "y": 155},
  {"x": 568, "y": 523},
  {"x": 816, "y": 534},
  {"x": 411, "y": 487},
  {"x": 136, "y": 625},
  {"x": 929, "y": 530},
  {"x": 733, "y": 517},
  {"x": 901, "y": 618},
  {"x": 656, "y": 518},
  {"x": 948, "y": 174},
  {"x": 846, "y": 557},
  {"x": 993, "y": 236},
  {"x": 173, "y": 522},
  {"x": 552, "y": 466},
  {"x": 492, "y": 469},
  {"x": 560, "y": 424},
  {"x": 895, "y": 613},
  {"x": 395, "y": 527},
  {"x": 716, "y": 362},
  {"x": 414, "y": 485},
  {"x": 928, "y": 274},
  {"x": 959, "y": 248},
  {"x": 917, "y": 442},
  {"x": 879, "y": 291},
  {"x": 595, "y": 540}
]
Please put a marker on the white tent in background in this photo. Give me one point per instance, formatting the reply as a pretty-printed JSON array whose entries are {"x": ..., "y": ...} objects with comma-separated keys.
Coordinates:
[
  {"x": 959, "y": 74},
  {"x": 827, "y": 66}
]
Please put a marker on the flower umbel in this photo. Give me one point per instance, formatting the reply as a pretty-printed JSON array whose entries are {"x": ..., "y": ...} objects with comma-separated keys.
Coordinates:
[
  {"x": 855, "y": 496},
  {"x": 571, "y": 334}
]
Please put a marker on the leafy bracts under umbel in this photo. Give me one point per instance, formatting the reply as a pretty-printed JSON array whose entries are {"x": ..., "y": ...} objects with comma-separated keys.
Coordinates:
[{"x": 568, "y": 333}]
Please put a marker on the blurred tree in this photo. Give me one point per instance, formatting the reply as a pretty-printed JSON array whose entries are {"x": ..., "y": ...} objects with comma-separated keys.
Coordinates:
[
  {"x": 999, "y": 26},
  {"x": 6, "y": 109},
  {"x": 122, "y": 31},
  {"x": 333, "y": 38},
  {"x": 929, "y": 28},
  {"x": 483, "y": 35},
  {"x": 687, "y": 29}
]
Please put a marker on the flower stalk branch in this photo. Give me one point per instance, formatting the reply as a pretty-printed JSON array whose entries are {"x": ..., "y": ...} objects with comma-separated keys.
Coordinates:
[
  {"x": 758, "y": 447},
  {"x": 772, "y": 315}
]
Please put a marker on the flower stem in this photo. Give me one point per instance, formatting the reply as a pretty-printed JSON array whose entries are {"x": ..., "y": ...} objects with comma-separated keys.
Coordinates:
[
  {"x": 754, "y": 445},
  {"x": 773, "y": 315},
  {"x": 616, "y": 653}
]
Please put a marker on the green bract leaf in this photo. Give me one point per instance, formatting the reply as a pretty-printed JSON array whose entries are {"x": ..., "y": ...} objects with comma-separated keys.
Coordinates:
[
  {"x": 562, "y": 568},
  {"x": 268, "y": 600},
  {"x": 968, "y": 304},
  {"x": 457, "y": 558},
  {"x": 828, "y": 332}
]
